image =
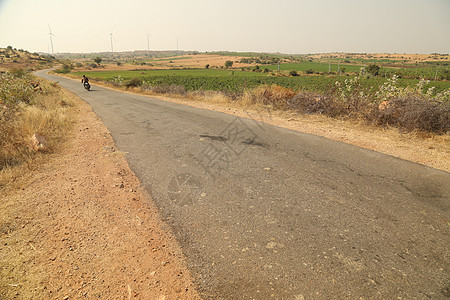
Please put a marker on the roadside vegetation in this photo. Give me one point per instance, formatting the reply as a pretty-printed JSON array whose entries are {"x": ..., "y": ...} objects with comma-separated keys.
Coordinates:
[
  {"x": 410, "y": 105},
  {"x": 34, "y": 119},
  {"x": 410, "y": 92}
]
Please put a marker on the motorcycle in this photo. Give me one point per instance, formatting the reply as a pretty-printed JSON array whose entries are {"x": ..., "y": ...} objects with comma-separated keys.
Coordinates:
[{"x": 87, "y": 86}]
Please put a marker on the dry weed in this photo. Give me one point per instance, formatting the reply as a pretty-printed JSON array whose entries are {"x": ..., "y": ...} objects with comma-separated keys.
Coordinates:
[{"x": 48, "y": 113}]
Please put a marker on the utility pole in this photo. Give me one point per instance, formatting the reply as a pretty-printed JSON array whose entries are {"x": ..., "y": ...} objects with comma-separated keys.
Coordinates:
[
  {"x": 329, "y": 67},
  {"x": 148, "y": 42},
  {"x": 435, "y": 75},
  {"x": 339, "y": 68}
]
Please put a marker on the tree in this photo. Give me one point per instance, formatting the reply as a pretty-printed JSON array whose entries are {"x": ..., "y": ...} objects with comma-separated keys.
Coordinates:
[
  {"x": 228, "y": 64},
  {"x": 293, "y": 73},
  {"x": 98, "y": 60},
  {"x": 373, "y": 69},
  {"x": 207, "y": 66}
]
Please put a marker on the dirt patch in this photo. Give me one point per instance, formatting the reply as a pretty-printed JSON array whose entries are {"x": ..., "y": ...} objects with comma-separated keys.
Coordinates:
[
  {"x": 392, "y": 56},
  {"x": 201, "y": 60},
  {"x": 82, "y": 227},
  {"x": 185, "y": 61}
]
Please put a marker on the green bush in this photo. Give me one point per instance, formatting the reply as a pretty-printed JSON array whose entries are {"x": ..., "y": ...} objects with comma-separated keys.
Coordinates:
[
  {"x": 133, "y": 82},
  {"x": 66, "y": 68},
  {"x": 97, "y": 60},
  {"x": 373, "y": 70},
  {"x": 228, "y": 64}
]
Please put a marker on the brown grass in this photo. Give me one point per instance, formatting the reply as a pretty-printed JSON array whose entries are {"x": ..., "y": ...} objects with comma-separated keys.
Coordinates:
[{"x": 49, "y": 114}]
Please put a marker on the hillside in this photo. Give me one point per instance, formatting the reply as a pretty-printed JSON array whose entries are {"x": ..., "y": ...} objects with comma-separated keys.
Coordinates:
[{"x": 11, "y": 58}]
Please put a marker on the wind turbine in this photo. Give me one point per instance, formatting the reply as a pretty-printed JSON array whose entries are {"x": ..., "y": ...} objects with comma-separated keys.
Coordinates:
[
  {"x": 110, "y": 36},
  {"x": 148, "y": 42},
  {"x": 51, "y": 39}
]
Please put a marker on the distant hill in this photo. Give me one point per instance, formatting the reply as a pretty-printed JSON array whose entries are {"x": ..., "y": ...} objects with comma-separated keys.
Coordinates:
[{"x": 12, "y": 58}]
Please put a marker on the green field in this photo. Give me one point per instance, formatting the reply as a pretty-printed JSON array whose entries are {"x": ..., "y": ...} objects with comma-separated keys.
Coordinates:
[
  {"x": 237, "y": 81},
  {"x": 109, "y": 75},
  {"x": 315, "y": 66},
  {"x": 440, "y": 72}
]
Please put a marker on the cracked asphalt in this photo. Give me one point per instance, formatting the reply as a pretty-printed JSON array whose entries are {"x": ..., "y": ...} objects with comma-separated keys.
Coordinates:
[{"x": 263, "y": 212}]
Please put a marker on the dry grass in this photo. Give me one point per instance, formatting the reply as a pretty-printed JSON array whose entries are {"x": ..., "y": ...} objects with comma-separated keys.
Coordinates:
[
  {"x": 268, "y": 95},
  {"x": 49, "y": 113}
]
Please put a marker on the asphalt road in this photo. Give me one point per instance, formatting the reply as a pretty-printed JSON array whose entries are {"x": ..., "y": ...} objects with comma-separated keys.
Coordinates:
[{"x": 263, "y": 212}]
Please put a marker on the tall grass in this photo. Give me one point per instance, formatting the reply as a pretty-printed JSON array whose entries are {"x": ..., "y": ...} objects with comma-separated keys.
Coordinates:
[{"x": 24, "y": 112}]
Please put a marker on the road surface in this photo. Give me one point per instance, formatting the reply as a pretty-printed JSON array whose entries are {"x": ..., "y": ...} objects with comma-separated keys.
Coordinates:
[{"x": 263, "y": 212}]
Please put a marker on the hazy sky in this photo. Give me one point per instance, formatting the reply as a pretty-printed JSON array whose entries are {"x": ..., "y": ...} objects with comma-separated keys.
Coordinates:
[{"x": 288, "y": 26}]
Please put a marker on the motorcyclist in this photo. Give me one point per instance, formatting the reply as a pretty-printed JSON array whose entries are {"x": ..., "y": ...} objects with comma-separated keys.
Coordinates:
[{"x": 84, "y": 80}]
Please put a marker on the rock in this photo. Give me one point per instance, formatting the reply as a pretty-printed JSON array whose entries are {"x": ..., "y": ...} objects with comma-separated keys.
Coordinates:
[
  {"x": 36, "y": 86},
  {"x": 109, "y": 148},
  {"x": 384, "y": 105},
  {"x": 39, "y": 143}
]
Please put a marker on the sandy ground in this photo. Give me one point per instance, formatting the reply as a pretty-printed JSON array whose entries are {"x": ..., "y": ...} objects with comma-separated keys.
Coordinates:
[
  {"x": 201, "y": 60},
  {"x": 393, "y": 56},
  {"x": 82, "y": 228}
]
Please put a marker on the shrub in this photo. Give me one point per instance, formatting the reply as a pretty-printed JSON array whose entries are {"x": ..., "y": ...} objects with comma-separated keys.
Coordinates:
[
  {"x": 24, "y": 114},
  {"x": 273, "y": 95},
  {"x": 406, "y": 108},
  {"x": 311, "y": 103},
  {"x": 373, "y": 70},
  {"x": 228, "y": 64},
  {"x": 98, "y": 60},
  {"x": 17, "y": 72},
  {"x": 293, "y": 73},
  {"x": 169, "y": 89},
  {"x": 133, "y": 82},
  {"x": 14, "y": 90},
  {"x": 415, "y": 111},
  {"x": 66, "y": 68}
]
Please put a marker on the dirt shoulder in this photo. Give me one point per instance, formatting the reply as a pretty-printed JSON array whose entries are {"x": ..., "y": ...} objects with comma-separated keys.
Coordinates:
[
  {"x": 82, "y": 227},
  {"x": 429, "y": 150}
]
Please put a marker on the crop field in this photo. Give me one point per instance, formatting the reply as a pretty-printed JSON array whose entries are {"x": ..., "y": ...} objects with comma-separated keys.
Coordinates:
[
  {"x": 109, "y": 75},
  {"x": 429, "y": 73},
  {"x": 237, "y": 81},
  {"x": 315, "y": 66}
]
